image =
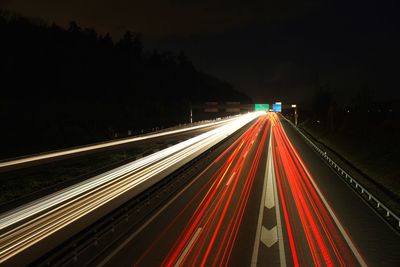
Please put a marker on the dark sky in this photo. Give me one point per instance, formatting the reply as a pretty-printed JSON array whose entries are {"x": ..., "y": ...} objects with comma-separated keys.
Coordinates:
[{"x": 272, "y": 50}]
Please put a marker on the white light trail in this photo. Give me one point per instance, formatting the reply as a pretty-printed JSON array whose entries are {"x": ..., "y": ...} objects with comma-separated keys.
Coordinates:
[
  {"x": 26, "y": 226},
  {"x": 57, "y": 154}
]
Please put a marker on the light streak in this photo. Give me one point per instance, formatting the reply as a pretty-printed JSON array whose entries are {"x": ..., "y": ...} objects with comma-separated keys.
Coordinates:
[
  {"x": 326, "y": 244},
  {"x": 286, "y": 217},
  {"x": 211, "y": 214},
  {"x": 313, "y": 236},
  {"x": 37, "y": 221},
  {"x": 77, "y": 150}
]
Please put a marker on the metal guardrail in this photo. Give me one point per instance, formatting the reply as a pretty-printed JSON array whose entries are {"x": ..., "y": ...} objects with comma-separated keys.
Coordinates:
[{"x": 362, "y": 190}]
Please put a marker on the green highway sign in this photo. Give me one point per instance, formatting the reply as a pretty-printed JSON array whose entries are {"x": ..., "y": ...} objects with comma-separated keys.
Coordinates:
[{"x": 261, "y": 107}]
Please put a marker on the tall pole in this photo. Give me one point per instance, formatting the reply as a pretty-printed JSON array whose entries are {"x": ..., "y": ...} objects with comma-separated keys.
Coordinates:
[
  {"x": 295, "y": 114},
  {"x": 191, "y": 115}
]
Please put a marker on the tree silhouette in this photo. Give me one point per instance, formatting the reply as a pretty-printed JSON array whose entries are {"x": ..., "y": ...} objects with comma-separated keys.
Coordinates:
[
  {"x": 323, "y": 105},
  {"x": 64, "y": 87}
]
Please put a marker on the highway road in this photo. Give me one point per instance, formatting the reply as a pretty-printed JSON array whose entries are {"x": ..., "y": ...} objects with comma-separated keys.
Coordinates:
[
  {"x": 34, "y": 228},
  {"x": 167, "y": 136},
  {"x": 268, "y": 200}
]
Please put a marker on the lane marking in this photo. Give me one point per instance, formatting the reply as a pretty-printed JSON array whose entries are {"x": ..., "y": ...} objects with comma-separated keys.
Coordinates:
[
  {"x": 269, "y": 198},
  {"x": 269, "y": 177},
  {"x": 328, "y": 207},
  {"x": 256, "y": 246},
  {"x": 269, "y": 237},
  {"x": 230, "y": 178},
  {"x": 282, "y": 254},
  {"x": 189, "y": 245},
  {"x": 220, "y": 180}
]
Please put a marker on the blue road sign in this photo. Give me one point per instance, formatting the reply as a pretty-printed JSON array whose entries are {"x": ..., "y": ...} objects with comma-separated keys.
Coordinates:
[{"x": 277, "y": 107}]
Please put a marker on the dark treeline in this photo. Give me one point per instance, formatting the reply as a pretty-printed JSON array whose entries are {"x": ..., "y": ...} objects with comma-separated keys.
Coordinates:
[
  {"x": 63, "y": 87},
  {"x": 362, "y": 113},
  {"x": 365, "y": 133}
]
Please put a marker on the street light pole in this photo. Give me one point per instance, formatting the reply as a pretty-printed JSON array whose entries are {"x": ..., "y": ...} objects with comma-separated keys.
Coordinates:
[{"x": 295, "y": 114}]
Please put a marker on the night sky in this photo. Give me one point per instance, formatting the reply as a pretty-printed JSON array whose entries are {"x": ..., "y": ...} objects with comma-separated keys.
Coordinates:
[{"x": 271, "y": 50}]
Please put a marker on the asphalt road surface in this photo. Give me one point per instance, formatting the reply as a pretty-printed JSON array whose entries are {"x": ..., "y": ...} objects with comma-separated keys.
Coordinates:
[
  {"x": 268, "y": 200},
  {"x": 29, "y": 231}
]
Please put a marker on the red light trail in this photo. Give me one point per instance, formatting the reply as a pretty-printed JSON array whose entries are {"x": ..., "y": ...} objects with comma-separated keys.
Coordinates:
[
  {"x": 209, "y": 235},
  {"x": 301, "y": 203},
  {"x": 213, "y": 217}
]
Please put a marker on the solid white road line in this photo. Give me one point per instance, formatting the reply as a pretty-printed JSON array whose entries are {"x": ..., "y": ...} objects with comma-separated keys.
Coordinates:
[
  {"x": 282, "y": 254},
  {"x": 269, "y": 198},
  {"x": 183, "y": 255},
  {"x": 254, "y": 258}
]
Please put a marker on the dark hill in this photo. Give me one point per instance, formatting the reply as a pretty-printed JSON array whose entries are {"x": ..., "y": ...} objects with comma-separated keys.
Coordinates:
[{"x": 64, "y": 87}]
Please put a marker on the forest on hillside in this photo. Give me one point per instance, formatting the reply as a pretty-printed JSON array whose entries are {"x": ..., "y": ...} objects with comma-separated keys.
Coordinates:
[{"x": 65, "y": 87}]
